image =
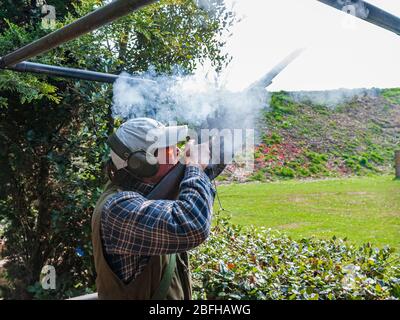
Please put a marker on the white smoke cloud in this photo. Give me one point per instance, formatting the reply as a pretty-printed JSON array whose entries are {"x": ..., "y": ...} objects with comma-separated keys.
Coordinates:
[
  {"x": 332, "y": 98},
  {"x": 191, "y": 99},
  {"x": 205, "y": 4},
  {"x": 200, "y": 103},
  {"x": 212, "y": 5}
]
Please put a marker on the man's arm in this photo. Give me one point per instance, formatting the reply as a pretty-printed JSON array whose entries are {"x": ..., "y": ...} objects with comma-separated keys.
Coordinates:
[{"x": 131, "y": 224}]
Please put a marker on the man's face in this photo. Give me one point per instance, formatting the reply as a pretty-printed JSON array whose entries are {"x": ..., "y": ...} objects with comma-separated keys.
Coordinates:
[{"x": 167, "y": 158}]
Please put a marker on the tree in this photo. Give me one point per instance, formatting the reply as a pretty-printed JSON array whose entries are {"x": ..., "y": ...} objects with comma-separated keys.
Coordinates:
[{"x": 53, "y": 132}]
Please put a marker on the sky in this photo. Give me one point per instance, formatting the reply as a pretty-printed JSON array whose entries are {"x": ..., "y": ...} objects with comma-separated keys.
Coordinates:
[{"x": 341, "y": 51}]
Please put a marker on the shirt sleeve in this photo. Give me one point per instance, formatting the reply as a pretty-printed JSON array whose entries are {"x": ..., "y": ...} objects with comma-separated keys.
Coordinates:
[{"x": 132, "y": 224}]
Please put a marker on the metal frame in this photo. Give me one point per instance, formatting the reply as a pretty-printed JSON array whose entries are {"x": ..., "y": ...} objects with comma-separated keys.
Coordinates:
[{"x": 374, "y": 14}]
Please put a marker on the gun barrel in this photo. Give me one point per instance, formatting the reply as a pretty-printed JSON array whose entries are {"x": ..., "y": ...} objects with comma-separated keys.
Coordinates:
[
  {"x": 368, "y": 13},
  {"x": 168, "y": 187},
  {"x": 69, "y": 72},
  {"x": 100, "y": 17}
]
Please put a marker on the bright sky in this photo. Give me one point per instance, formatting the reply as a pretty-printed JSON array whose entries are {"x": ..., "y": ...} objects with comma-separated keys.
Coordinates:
[{"x": 341, "y": 51}]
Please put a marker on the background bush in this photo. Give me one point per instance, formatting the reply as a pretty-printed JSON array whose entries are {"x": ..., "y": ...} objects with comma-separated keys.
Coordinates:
[
  {"x": 303, "y": 139},
  {"x": 257, "y": 263}
]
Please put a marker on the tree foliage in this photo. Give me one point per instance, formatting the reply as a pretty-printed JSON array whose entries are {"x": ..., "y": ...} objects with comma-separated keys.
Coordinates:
[{"x": 53, "y": 131}]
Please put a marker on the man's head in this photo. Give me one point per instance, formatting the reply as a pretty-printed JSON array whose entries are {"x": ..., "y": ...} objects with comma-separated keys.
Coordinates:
[{"x": 146, "y": 148}]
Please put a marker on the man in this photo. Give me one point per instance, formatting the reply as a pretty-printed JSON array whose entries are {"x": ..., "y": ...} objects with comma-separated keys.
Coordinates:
[{"x": 140, "y": 245}]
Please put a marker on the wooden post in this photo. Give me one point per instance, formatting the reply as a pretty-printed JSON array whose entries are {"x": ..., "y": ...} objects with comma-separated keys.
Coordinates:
[{"x": 397, "y": 163}]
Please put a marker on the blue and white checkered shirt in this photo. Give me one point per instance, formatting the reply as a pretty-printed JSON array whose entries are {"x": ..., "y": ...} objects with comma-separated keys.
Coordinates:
[{"x": 134, "y": 228}]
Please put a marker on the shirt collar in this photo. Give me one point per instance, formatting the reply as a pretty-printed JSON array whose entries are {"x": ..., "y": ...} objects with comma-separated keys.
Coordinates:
[{"x": 138, "y": 186}]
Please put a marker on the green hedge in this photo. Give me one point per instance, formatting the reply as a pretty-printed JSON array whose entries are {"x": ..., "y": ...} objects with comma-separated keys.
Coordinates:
[{"x": 257, "y": 263}]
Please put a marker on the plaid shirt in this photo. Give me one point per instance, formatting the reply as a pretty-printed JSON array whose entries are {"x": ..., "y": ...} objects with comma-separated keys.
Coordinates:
[{"x": 134, "y": 228}]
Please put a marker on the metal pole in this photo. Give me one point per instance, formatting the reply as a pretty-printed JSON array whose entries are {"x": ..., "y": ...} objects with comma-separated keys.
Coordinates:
[
  {"x": 71, "y": 72},
  {"x": 397, "y": 163},
  {"x": 91, "y": 296},
  {"x": 90, "y": 22},
  {"x": 367, "y": 12},
  {"x": 267, "y": 79}
]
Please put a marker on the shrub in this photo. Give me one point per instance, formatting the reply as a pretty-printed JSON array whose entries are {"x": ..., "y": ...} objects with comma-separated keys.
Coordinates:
[
  {"x": 271, "y": 139},
  {"x": 251, "y": 263},
  {"x": 317, "y": 158},
  {"x": 286, "y": 172},
  {"x": 258, "y": 176},
  {"x": 282, "y": 104},
  {"x": 392, "y": 95}
]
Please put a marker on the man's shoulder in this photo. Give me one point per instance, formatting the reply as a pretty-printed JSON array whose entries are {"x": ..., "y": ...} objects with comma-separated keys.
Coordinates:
[{"x": 121, "y": 200}]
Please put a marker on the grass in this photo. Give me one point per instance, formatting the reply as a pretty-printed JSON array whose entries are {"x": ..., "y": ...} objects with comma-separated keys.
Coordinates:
[{"x": 362, "y": 210}]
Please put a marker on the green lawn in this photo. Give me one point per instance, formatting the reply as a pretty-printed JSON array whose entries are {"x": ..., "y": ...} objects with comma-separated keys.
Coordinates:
[{"x": 362, "y": 209}]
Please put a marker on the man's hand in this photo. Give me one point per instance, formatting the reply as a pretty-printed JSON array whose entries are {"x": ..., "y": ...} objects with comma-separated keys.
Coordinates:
[{"x": 197, "y": 155}]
